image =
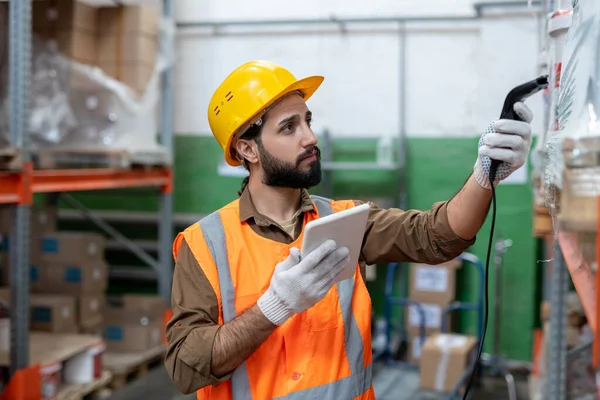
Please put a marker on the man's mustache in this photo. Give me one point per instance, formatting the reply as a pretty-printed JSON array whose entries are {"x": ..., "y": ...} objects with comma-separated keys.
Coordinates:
[{"x": 314, "y": 150}]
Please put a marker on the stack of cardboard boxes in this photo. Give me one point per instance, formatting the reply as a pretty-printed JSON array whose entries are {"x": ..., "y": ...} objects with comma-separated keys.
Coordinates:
[
  {"x": 122, "y": 41},
  {"x": 434, "y": 288},
  {"x": 68, "y": 274},
  {"x": 68, "y": 281},
  {"x": 137, "y": 325},
  {"x": 443, "y": 357}
]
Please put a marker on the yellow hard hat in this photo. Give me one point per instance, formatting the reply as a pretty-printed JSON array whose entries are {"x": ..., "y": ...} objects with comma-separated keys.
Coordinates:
[{"x": 246, "y": 93}]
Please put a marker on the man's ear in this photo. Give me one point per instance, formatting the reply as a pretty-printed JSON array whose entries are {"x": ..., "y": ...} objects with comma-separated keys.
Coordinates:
[{"x": 247, "y": 149}]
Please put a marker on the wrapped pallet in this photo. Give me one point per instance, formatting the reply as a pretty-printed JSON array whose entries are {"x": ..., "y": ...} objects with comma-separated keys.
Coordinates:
[{"x": 95, "y": 92}]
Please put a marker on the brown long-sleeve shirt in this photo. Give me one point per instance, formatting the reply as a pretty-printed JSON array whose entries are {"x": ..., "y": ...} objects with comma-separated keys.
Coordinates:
[{"x": 391, "y": 235}]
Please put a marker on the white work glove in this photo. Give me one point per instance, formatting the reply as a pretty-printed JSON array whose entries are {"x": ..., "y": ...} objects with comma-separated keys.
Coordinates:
[
  {"x": 297, "y": 285},
  {"x": 507, "y": 141}
]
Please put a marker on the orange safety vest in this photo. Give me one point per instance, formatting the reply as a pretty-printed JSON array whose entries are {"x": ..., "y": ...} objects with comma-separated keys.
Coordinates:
[{"x": 322, "y": 353}]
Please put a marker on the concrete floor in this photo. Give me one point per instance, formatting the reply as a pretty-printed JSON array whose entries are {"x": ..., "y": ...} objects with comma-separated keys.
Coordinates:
[
  {"x": 156, "y": 385},
  {"x": 389, "y": 384}
]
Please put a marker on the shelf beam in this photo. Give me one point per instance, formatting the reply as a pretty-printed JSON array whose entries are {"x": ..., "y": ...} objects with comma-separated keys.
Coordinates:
[{"x": 15, "y": 187}]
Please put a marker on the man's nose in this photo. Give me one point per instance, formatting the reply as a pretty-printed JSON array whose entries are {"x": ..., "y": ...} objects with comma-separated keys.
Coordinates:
[{"x": 309, "y": 139}]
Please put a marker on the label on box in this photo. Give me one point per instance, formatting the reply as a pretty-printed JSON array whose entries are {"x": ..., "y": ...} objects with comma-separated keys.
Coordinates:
[
  {"x": 34, "y": 274},
  {"x": 433, "y": 315},
  {"x": 156, "y": 336},
  {"x": 114, "y": 333},
  {"x": 416, "y": 347},
  {"x": 431, "y": 279},
  {"x": 66, "y": 312},
  {"x": 49, "y": 245},
  {"x": 73, "y": 275},
  {"x": 450, "y": 341},
  {"x": 92, "y": 249},
  {"x": 42, "y": 314},
  {"x": 94, "y": 305}
]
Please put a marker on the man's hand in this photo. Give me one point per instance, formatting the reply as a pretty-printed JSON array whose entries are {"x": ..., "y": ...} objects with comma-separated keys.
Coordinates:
[
  {"x": 297, "y": 284},
  {"x": 507, "y": 141}
]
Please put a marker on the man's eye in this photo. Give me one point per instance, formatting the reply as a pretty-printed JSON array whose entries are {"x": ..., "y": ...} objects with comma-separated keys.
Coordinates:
[
  {"x": 309, "y": 121},
  {"x": 288, "y": 127}
]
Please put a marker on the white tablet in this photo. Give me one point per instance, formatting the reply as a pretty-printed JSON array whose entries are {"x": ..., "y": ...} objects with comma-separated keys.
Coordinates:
[{"x": 346, "y": 228}]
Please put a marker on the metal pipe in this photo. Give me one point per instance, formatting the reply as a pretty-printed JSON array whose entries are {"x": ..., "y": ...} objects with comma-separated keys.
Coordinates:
[
  {"x": 502, "y": 4},
  {"x": 322, "y": 21},
  {"x": 165, "y": 227},
  {"x": 364, "y": 20},
  {"x": 402, "y": 151}
]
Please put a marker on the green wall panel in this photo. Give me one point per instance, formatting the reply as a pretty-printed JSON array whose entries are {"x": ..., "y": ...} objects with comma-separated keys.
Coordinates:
[{"x": 437, "y": 168}]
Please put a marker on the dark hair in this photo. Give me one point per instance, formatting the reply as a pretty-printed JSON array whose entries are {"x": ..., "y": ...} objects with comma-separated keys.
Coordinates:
[{"x": 253, "y": 133}]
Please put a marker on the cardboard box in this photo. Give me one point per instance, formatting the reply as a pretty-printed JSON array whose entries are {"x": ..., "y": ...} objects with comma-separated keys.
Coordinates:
[
  {"x": 43, "y": 219},
  {"x": 64, "y": 15},
  {"x": 74, "y": 248},
  {"x": 90, "y": 278},
  {"x": 434, "y": 283},
  {"x": 135, "y": 75},
  {"x": 71, "y": 24},
  {"x": 433, "y": 318},
  {"x": 126, "y": 50},
  {"x": 131, "y": 330},
  {"x": 444, "y": 359},
  {"x": 53, "y": 313},
  {"x": 154, "y": 305},
  {"x": 96, "y": 328},
  {"x": 34, "y": 274},
  {"x": 90, "y": 311},
  {"x": 77, "y": 46},
  {"x": 49, "y": 313},
  {"x": 132, "y": 19},
  {"x": 127, "y": 45}
]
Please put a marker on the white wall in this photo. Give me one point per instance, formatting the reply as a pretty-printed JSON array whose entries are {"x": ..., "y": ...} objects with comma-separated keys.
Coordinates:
[{"x": 457, "y": 72}]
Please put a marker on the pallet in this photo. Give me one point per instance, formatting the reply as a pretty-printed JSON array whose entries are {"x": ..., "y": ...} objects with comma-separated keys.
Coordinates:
[
  {"x": 98, "y": 158},
  {"x": 97, "y": 389},
  {"x": 48, "y": 348},
  {"x": 10, "y": 159},
  {"x": 127, "y": 366}
]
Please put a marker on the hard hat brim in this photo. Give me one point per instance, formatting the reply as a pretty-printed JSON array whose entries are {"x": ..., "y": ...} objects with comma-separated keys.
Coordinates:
[{"x": 307, "y": 86}]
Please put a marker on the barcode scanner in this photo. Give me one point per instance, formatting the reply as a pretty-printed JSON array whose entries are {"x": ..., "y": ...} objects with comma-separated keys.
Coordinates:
[{"x": 519, "y": 93}]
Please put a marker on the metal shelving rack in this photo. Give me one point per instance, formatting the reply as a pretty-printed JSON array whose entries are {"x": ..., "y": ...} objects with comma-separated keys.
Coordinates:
[
  {"x": 568, "y": 370},
  {"x": 17, "y": 188},
  {"x": 557, "y": 342}
]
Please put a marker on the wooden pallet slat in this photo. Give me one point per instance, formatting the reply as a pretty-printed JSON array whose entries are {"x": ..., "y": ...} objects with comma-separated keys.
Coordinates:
[
  {"x": 97, "y": 389},
  {"x": 64, "y": 158},
  {"x": 81, "y": 158}
]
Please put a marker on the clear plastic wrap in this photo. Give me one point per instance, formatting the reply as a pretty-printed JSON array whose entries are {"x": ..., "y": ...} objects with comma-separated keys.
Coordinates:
[
  {"x": 76, "y": 106},
  {"x": 574, "y": 162}
]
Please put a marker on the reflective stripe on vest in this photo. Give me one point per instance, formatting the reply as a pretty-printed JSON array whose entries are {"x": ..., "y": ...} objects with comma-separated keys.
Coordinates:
[{"x": 346, "y": 388}]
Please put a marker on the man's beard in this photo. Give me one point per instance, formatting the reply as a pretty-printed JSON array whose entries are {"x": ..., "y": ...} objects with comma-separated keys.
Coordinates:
[{"x": 279, "y": 173}]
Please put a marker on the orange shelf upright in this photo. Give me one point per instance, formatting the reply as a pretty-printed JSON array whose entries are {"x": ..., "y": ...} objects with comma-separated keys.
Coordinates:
[
  {"x": 18, "y": 187},
  {"x": 25, "y": 384}
]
